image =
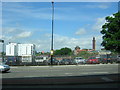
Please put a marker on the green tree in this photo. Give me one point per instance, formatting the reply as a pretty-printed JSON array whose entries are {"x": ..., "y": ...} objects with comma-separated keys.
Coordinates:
[
  {"x": 111, "y": 33},
  {"x": 63, "y": 51}
]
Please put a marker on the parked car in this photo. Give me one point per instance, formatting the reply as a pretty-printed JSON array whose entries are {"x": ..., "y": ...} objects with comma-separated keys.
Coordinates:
[
  {"x": 104, "y": 59},
  {"x": 4, "y": 67},
  {"x": 66, "y": 62},
  {"x": 118, "y": 58},
  {"x": 80, "y": 60},
  {"x": 55, "y": 62},
  {"x": 92, "y": 60}
]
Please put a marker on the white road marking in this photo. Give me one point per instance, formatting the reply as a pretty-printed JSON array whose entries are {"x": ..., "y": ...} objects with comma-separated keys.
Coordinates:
[
  {"x": 100, "y": 72},
  {"x": 84, "y": 73},
  {"x": 68, "y": 73},
  {"x": 107, "y": 79},
  {"x": 75, "y": 65},
  {"x": 13, "y": 67}
]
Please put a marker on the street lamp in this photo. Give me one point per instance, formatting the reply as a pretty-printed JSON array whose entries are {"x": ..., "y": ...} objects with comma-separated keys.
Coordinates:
[
  {"x": 52, "y": 33},
  {"x": 2, "y": 41}
]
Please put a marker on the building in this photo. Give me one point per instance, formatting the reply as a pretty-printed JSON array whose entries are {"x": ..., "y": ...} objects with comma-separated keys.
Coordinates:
[
  {"x": 26, "y": 52},
  {"x": 94, "y": 44},
  {"x": 11, "y": 49},
  {"x": 11, "y": 53},
  {"x": 20, "y": 53},
  {"x": 26, "y": 49}
]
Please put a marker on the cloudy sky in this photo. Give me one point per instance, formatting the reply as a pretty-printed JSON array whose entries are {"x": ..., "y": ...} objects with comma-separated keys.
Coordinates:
[{"x": 75, "y": 23}]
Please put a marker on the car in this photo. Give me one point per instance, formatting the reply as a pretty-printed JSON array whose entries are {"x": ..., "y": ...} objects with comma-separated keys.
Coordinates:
[
  {"x": 66, "y": 62},
  {"x": 55, "y": 62},
  {"x": 105, "y": 59},
  {"x": 4, "y": 67},
  {"x": 92, "y": 60},
  {"x": 80, "y": 60},
  {"x": 118, "y": 59}
]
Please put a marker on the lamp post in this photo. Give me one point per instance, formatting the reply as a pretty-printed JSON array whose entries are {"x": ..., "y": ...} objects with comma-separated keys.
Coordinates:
[
  {"x": 2, "y": 53},
  {"x": 52, "y": 33}
]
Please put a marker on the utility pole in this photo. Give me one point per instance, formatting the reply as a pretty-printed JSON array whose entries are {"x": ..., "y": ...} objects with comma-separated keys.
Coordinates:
[
  {"x": 2, "y": 52},
  {"x": 52, "y": 33}
]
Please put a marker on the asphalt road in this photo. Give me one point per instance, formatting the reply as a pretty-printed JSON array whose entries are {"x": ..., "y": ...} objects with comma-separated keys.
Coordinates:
[
  {"x": 57, "y": 71},
  {"x": 67, "y": 76}
]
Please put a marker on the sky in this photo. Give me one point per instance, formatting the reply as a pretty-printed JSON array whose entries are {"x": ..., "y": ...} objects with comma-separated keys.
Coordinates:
[{"x": 75, "y": 23}]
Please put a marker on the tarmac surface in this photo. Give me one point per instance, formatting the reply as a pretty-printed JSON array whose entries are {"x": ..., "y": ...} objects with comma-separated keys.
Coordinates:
[{"x": 72, "y": 77}]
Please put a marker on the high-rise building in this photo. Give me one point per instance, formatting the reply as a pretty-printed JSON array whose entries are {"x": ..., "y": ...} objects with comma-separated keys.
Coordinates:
[
  {"x": 26, "y": 52},
  {"x": 26, "y": 49},
  {"x": 11, "y": 49},
  {"x": 20, "y": 52}
]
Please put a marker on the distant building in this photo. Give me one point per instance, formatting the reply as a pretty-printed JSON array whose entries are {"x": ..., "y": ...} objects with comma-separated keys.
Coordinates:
[
  {"x": 26, "y": 52},
  {"x": 20, "y": 52},
  {"x": 26, "y": 49},
  {"x": 94, "y": 43},
  {"x": 11, "y": 49}
]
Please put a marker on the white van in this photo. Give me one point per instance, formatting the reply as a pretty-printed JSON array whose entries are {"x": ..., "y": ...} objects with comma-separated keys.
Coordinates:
[{"x": 79, "y": 60}]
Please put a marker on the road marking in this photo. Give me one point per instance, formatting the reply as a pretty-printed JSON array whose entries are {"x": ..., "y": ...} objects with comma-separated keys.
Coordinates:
[
  {"x": 30, "y": 76},
  {"x": 75, "y": 65},
  {"x": 107, "y": 79},
  {"x": 84, "y": 73},
  {"x": 68, "y": 73},
  {"x": 100, "y": 72},
  {"x": 13, "y": 67}
]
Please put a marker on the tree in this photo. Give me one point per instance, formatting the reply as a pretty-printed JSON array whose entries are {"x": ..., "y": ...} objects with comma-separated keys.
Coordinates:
[
  {"x": 63, "y": 51},
  {"x": 111, "y": 33}
]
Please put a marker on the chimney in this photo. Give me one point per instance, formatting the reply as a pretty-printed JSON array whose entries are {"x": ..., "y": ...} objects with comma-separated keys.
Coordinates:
[{"x": 94, "y": 41}]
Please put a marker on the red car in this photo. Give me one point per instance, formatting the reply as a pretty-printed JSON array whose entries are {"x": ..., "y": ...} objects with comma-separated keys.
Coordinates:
[{"x": 92, "y": 60}]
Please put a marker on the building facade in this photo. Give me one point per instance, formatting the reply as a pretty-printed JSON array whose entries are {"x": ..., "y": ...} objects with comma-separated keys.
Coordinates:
[
  {"x": 20, "y": 53},
  {"x": 11, "y": 49},
  {"x": 26, "y": 49},
  {"x": 26, "y": 52}
]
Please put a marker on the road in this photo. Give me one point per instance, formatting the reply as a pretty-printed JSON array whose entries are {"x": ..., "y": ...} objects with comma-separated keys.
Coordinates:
[
  {"x": 99, "y": 75},
  {"x": 51, "y": 71}
]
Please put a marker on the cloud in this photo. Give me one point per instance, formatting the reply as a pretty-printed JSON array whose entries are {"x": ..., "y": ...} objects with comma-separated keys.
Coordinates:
[
  {"x": 61, "y": 13},
  {"x": 44, "y": 44},
  {"x": 98, "y": 25},
  {"x": 61, "y": 42},
  {"x": 24, "y": 34},
  {"x": 80, "y": 31},
  {"x": 14, "y": 34},
  {"x": 83, "y": 42}
]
